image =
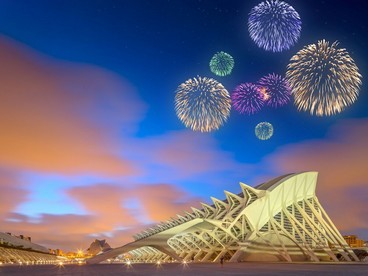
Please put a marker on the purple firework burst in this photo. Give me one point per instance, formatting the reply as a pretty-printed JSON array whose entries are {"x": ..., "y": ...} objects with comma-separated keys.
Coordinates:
[
  {"x": 247, "y": 98},
  {"x": 277, "y": 88},
  {"x": 274, "y": 25}
]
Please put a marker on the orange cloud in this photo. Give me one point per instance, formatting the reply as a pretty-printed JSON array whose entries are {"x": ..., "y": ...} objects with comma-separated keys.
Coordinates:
[
  {"x": 52, "y": 114},
  {"x": 162, "y": 201},
  {"x": 12, "y": 192},
  {"x": 186, "y": 154},
  {"x": 53, "y": 231},
  {"x": 106, "y": 215},
  {"x": 106, "y": 202},
  {"x": 156, "y": 202},
  {"x": 341, "y": 161}
]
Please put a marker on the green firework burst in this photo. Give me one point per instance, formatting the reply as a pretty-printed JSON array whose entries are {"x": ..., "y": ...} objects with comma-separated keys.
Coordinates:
[
  {"x": 264, "y": 131},
  {"x": 222, "y": 64}
]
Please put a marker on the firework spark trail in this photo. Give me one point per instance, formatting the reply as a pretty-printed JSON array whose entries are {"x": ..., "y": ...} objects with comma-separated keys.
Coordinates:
[
  {"x": 274, "y": 25},
  {"x": 264, "y": 131},
  {"x": 324, "y": 79},
  {"x": 202, "y": 104},
  {"x": 222, "y": 64},
  {"x": 278, "y": 90},
  {"x": 247, "y": 98}
]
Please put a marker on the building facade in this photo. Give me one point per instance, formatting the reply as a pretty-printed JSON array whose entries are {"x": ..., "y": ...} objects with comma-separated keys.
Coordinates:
[
  {"x": 280, "y": 220},
  {"x": 20, "y": 250},
  {"x": 98, "y": 246},
  {"x": 353, "y": 241}
]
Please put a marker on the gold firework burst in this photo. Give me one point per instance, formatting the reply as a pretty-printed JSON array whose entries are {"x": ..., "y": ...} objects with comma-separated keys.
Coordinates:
[
  {"x": 203, "y": 104},
  {"x": 324, "y": 79}
]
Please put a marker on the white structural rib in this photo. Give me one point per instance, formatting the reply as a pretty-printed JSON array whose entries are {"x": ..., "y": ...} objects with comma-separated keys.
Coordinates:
[{"x": 279, "y": 220}]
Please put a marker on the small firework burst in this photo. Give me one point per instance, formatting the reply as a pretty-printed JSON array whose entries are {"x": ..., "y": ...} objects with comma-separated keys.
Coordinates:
[
  {"x": 324, "y": 79},
  {"x": 222, "y": 64},
  {"x": 264, "y": 131},
  {"x": 274, "y": 25},
  {"x": 276, "y": 88},
  {"x": 264, "y": 92},
  {"x": 203, "y": 104},
  {"x": 247, "y": 98}
]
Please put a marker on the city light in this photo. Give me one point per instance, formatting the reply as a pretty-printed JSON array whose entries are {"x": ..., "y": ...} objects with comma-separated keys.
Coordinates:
[
  {"x": 60, "y": 264},
  {"x": 80, "y": 253},
  {"x": 185, "y": 264},
  {"x": 128, "y": 264}
]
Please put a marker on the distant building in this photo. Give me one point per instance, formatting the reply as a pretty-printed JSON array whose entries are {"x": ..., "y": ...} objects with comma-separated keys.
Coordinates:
[
  {"x": 24, "y": 238},
  {"x": 20, "y": 249},
  {"x": 98, "y": 246},
  {"x": 353, "y": 241},
  {"x": 59, "y": 252},
  {"x": 21, "y": 241}
]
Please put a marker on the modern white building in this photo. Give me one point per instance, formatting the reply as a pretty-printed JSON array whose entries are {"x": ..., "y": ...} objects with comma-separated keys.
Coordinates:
[
  {"x": 280, "y": 220},
  {"x": 20, "y": 250}
]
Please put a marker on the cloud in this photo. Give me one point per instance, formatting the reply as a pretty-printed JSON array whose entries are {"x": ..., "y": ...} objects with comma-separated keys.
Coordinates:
[
  {"x": 63, "y": 117},
  {"x": 53, "y": 231},
  {"x": 111, "y": 202},
  {"x": 116, "y": 212},
  {"x": 185, "y": 154},
  {"x": 106, "y": 202},
  {"x": 68, "y": 118},
  {"x": 341, "y": 160},
  {"x": 162, "y": 201},
  {"x": 107, "y": 215},
  {"x": 12, "y": 192}
]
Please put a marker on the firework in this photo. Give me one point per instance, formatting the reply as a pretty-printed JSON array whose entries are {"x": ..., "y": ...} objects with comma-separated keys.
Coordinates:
[
  {"x": 264, "y": 131},
  {"x": 222, "y": 64},
  {"x": 264, "y": 92},
  {"x": 247, "y": 98},
  {"x": 276, "y": 90},
  {"x": 203, "y": 104},
  {"x": 324, "y": 79},
  {"x": 274, "y": 25}
]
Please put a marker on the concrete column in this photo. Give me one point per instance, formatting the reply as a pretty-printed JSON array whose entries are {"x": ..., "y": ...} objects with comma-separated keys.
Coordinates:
[{"x": 207, "y": 256}]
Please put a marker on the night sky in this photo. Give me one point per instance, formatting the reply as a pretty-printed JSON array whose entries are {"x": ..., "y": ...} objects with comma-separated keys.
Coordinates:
[{"x": 90, "y": 143}]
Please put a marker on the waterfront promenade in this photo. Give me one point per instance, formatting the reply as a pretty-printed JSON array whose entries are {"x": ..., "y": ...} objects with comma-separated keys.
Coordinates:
[{"x": 198, "y": 269}]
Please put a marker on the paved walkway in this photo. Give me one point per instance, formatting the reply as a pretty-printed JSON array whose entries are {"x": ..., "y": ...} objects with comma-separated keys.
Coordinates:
[{"x": 191, "y": 269}]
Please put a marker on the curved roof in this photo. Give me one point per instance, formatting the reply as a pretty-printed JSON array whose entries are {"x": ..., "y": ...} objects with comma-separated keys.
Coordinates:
[
  {"x": 298, "y": 185},
  {"x": 16, "y": 241},
  {"x": 273, "y": 182}
]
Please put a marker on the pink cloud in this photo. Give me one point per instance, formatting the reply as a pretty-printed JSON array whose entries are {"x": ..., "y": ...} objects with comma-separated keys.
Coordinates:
[
  {"x": 162, "y": 201},
  {"x": 62, "y": 117},
  {"x": 156, "y": 202},
  {"x": 106, "y": 215},
  {"x": 54, "y": 231},
  {"x": 12, "y": 192},
  {"x": 67, "y": 118},
  {"x": 106, "y": 202},
  {"x": 341, "y": 161},
  {"x": 67, "y": 231},
  {"x": 186, "y": 154}
]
